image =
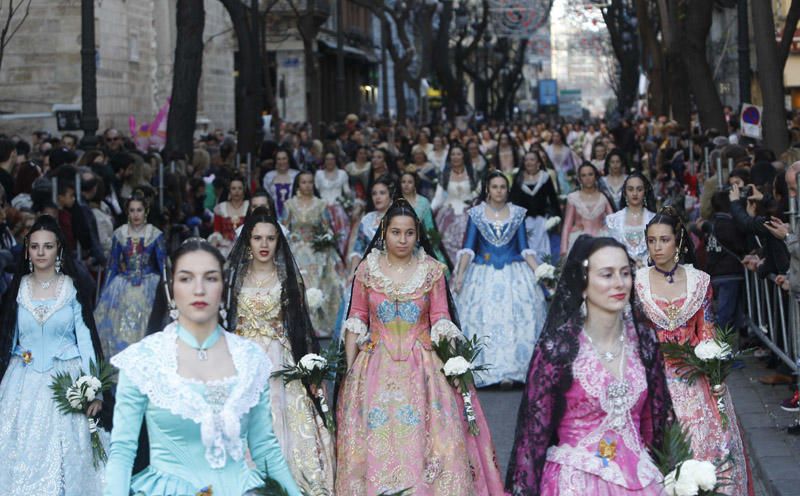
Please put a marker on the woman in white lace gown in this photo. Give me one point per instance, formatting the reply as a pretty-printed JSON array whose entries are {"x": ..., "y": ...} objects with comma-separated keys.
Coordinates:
[
  {"x": 455, "y": 192},
  {"x": 628, "y": 225},
  {"x": 333, "y": 185}
]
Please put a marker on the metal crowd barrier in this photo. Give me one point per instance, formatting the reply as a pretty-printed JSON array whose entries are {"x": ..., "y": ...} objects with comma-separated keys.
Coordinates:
[{"x": 773, "y": 315}]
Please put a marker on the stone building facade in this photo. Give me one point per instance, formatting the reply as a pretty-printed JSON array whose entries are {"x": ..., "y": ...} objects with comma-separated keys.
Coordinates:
[{"x": 135, "y": 40}]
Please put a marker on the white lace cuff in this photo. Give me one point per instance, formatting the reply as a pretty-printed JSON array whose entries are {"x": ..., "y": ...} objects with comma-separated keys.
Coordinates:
[
  {"x": 465, "y": 251},
  {"x": 358, "y": 327},
  {"x": 528, "y": 251},
  {"x": 445, "y": 328}
]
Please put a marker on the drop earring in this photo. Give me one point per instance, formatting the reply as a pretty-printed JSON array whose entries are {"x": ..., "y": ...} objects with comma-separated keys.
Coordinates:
[
  {"x": 249, "y": 254},
  {"x": 30, "y": 266},
  {"x": 174, "y": 313},
  {"x": 583, "y": 307},
  {"x": 58, "y": 264}
]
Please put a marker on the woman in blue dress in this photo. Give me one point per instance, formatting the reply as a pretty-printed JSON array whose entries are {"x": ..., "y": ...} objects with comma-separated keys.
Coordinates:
[
  {"x": 499, "y": 299},
  {"x": 47, "y": 329},
  {"x": 137, "y": 256},
  {"x": 203, "y": 392}
]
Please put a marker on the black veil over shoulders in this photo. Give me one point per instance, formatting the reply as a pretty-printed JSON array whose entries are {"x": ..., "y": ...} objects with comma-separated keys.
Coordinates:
[{"x": 550, "y": 375}]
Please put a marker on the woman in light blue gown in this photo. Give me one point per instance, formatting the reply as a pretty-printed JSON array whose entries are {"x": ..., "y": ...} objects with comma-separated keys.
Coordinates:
[
  {"x": 47, "y": 329},
  {"x": 204, "y": 394},
  {"x": 499, "y": 299}
]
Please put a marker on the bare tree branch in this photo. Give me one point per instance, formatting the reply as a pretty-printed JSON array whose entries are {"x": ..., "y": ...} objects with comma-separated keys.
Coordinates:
[{"x": 9, "y": 30}]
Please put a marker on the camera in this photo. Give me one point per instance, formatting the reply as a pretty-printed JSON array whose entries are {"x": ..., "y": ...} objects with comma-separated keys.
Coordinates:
[{"x": 745, "y": 192}]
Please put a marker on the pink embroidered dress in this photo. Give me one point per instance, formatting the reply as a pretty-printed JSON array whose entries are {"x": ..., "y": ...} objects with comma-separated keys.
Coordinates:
[
  {"x": 690, "y": 318},
  {"x": 583, "y": 217},
  {"x": 601, "y": 450},
  {"x": 401, "y": 424}
]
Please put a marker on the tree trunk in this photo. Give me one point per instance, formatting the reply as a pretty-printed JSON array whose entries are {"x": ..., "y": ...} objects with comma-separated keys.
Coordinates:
[
  {"x": 248, "y": 120},
  {"x": 652, "y": 62},
  {"x": 188, "y": 67},
  {"x": 399, "y": 91},
  {"x": 792, "y": 17},
  {"x": 770, "y": 78},
  {"x": 701, "y": 79},
  {"x": 672, "y": 30}
]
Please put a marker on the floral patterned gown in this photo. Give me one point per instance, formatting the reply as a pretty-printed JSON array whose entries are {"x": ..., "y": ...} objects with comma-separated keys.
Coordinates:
[
  {"x": 582, "y": 217},
  {"x": 304, "y": 439},
  {"x": 690, "y": 318},
  {"x": 400, "y": 422},
  {"x": 319, "y": 268}
]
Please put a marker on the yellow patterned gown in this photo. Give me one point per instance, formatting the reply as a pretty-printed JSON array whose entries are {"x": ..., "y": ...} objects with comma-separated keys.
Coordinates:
[{"x": 306, "y": 443}]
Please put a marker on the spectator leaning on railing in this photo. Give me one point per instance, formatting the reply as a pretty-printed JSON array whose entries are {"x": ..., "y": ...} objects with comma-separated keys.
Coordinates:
[{"x": 752, "y": 214}]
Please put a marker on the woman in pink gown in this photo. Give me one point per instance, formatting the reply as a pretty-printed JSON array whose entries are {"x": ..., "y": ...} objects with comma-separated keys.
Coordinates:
[
  {"x": 401, "y": 423},
  {"x": 596, "y": 395},
  {"x": 586, "y": 209},
  {"x": 676, "y": 303}
]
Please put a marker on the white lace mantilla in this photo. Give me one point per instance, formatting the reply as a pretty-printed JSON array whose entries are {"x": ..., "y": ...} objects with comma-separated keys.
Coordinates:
[
  {"x": 152, "y": 366},
  {"x": 697, "y": 283},
  {"x": 498, "y": 233},
  {"x": 64, "y": 293}
]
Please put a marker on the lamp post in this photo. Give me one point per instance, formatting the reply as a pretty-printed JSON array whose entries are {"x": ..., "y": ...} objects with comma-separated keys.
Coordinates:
[{"x": 89, "y": 121}]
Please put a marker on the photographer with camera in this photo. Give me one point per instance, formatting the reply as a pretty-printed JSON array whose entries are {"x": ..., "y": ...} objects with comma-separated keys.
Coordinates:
[
  {"x": 725, "y": 248},
  {"x": 753, "y": 212}
]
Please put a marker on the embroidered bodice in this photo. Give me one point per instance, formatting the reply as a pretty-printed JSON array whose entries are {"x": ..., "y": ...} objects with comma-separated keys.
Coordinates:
[
  {"x": 135, "y": 256},
  {"x": 600, "y": 430},
  {"x": 280, "y": 191},
  {"x": 672, "y": 316},
  {"x": 397, "y": 316},
  {"x": 51, "y": 329},
  {"x": 258, "y": 313},
  {"x": 331, "y": 189},
  {"x": 561, "y": 157},
  {"x": 584, "y": 216},
  {"x": 228, "y": 219},
  {"x": 495, "y": 242},
  {"x": 304, "y": 222},
  {"x": 458, "y": 196},
  {"x": 633, "y": 237}
]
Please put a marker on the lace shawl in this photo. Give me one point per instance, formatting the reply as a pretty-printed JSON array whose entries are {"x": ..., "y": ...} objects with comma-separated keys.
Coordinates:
[
  {"x": 507, "y": 227},
  {"x": 542, "y": 408},
  {"x": 65, "y": 293},
  {"x": 152, "y": 366},
  {"x": 697, "y": 283}
]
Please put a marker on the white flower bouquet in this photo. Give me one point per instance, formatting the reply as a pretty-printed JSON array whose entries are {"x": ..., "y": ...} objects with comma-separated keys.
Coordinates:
[
  {"x": 314, "y": 298},
  {"x": 711, "y": 358},
  {"x": 683, "y": 474},
  {"x": 72, "y": 397},
  {"x": 313, "y": 370},
  {"x": 323, "y": 239},
  {"x": 458, "y": 356},
  {"x": 545, "y": 272},
  {"x": 552, "y": 222},
  {"x": 692, "y": 478}
]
